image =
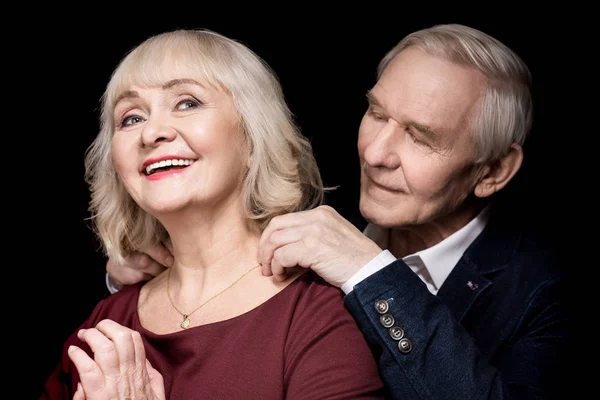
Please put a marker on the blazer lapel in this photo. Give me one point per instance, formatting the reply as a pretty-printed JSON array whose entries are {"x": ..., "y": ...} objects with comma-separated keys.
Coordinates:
[
  {"x": 472, "y": 275},
  {"x": 462, "y": 287}
]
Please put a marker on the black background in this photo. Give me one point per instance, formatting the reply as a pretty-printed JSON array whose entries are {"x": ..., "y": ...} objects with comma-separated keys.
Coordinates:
[{"x": 326, "y": 62}]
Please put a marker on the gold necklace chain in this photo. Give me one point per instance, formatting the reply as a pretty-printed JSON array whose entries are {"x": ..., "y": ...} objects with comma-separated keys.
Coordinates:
[{"x": 185, "y": 323}]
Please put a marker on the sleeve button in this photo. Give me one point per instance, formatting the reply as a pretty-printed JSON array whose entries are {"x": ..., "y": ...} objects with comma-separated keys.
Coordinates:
[
  {"x": 396, "y": 333},
  {"x": 382, "y": 306},
  {"x": 387, "y": 320},
  {"x": 405, "y": 345}
]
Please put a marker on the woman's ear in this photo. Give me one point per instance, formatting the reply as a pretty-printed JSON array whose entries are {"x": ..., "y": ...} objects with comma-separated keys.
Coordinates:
[{"x": 498, "y": 173}]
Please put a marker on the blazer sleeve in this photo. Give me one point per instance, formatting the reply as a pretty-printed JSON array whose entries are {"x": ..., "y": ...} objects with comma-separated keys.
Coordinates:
[{"x": 425, "y": 353}]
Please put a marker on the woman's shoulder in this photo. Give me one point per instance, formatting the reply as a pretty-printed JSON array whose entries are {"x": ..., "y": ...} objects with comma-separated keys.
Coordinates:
[
  {"x": 310, "y": 287},
  {"x": 126, "y": 292},
  {"x": 118, "y": 304}
]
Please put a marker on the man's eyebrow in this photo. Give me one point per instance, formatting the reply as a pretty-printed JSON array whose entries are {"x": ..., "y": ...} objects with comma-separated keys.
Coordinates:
[
  {"x": 373, "y": 100},
  {"x": 424, "y": 129}
]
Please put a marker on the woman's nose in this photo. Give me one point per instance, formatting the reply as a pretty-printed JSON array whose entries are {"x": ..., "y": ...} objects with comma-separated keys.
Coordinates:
[{"x": 156, "y": 131}]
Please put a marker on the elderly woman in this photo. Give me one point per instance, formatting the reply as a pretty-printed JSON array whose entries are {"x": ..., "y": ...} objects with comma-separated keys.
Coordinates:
[{"x": 197, "y": 149}]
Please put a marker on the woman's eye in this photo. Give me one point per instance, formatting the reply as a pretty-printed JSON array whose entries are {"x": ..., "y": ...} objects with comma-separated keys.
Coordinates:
[
  {"x": 187, "y": 104},
  {"x": 131, "y": 120}
]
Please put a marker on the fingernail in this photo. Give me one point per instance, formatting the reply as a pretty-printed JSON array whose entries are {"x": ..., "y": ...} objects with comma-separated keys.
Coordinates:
[{"x": 80, "y": 333}]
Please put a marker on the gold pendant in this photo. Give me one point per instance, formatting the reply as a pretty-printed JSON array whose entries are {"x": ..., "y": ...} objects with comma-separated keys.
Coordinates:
[{"x": 185, "y": 323}]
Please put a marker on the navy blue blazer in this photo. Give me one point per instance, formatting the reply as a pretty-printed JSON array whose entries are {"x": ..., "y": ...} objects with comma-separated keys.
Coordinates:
[{"x": 495, "y": 330}]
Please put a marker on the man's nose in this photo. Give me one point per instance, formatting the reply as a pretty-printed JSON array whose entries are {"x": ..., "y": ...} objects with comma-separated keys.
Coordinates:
[{"x": 382, "y": 151}]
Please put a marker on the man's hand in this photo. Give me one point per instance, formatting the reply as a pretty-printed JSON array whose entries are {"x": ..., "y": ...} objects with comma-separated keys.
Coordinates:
[
  {"x": 319, "y": 239},
  {"x": 141, "y": 266},
  {"x": 119, "y": 369}
]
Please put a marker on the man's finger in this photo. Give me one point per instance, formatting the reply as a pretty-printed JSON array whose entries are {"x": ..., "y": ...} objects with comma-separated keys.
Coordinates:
[
  {"x": 282, "y": 222},
  {"x": 144, "y": 263},
  {"x": 161, "y": 254},
  {"x": 277, "y": 270},
  {"x": 287, "y": 256},
  {"x": 129, "y": 272},
  {"x": 277, "y": 239}
]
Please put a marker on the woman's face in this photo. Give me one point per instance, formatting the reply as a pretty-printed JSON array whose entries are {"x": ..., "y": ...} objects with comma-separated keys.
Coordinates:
[{"x": 178, "y": 145}]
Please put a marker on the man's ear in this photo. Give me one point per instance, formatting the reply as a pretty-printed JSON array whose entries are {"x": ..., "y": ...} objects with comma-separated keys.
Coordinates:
[{"x": 497, "y": 174}]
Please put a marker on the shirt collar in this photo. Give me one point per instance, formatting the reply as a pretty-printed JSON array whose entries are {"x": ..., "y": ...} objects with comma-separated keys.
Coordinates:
[{"x": 441, "y": 258}]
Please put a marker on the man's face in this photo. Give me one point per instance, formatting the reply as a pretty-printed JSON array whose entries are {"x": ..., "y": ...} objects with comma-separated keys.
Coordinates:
[{"x": 416, "y": 153}]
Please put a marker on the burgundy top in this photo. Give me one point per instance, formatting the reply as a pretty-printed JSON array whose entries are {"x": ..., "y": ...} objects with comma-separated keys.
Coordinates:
[{"x": 300, "y": 344}]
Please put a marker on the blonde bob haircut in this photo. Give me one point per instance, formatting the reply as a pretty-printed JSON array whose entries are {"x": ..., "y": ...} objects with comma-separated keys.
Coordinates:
[
  {"x": 505, "y": 115},
  {"x": 282, "y": 173}
]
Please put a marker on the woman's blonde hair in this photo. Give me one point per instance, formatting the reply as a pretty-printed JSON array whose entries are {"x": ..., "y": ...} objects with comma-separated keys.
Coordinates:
[
  {"x": 282, "y": 173},
  {"x": 504, "y": 116}
]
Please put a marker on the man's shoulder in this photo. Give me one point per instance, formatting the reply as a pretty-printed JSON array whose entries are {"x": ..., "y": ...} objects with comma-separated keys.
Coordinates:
[{"x": 518, "y": 243}]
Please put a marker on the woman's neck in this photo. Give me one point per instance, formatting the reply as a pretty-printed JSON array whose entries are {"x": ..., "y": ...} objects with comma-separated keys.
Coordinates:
[
  {"x": 211, "y": 251},
  {"x": 210, "y": 246},
  {"x": 204, "y": 239}
]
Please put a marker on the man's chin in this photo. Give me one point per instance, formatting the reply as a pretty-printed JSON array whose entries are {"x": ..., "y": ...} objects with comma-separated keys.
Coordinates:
[{"x": 375, "y": 213}]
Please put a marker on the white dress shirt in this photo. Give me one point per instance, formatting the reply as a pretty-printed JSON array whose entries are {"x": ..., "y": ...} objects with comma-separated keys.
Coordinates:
[{"x": 432, "y": 265}]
